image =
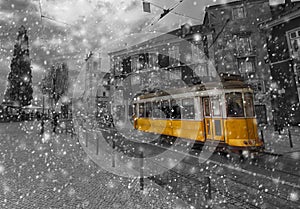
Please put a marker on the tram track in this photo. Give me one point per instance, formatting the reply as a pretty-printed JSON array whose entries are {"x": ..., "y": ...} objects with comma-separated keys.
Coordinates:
[
  {"x": 253, "y": 164},
  {"x": 264, "y": 194},
  {"x": 228, "y": 163}
]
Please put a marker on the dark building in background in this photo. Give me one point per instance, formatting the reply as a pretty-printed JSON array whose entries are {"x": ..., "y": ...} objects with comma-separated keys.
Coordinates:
[
  {"x": 230, "y": 41},
  {"x": 103, "y": 96},
  {"x": 283, "y": 33},
  {"x": 175, "y": 59},
  {"x": 240, "y": 47}
]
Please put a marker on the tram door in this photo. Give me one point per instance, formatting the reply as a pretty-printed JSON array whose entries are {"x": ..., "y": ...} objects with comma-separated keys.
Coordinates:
[{"x": 212, "y": 118}]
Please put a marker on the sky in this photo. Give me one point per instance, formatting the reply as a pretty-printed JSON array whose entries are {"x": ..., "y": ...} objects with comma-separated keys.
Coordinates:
[{"x": 72, "y": 28}]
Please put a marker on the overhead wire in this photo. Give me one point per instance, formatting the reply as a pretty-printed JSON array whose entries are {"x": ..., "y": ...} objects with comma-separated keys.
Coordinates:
[
  {"x": 55, "y": 20},
  {"x": 167, "y": 11},
  {"x": 187, "y": 16},
  {"x": 170, "y": 10},
  {"x": 50, "y": 18}
]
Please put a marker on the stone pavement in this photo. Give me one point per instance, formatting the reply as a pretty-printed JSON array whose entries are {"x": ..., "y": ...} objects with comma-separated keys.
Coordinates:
[{"x": 53, "y": 171}]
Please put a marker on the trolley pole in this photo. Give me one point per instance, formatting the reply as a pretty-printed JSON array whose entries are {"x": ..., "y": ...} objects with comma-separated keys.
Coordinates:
[
  {"x": 43, "y": 115},
  {"x": 142, "y": 170},
  {"x": 113, "y": 154},
  {"x": 262, "y": 135},
  {"x": 290, "y": 138},
  {"x": 86, "y": 138},
  {"x": 208, "y": 191},
  {"x": 97, "y": 148}
]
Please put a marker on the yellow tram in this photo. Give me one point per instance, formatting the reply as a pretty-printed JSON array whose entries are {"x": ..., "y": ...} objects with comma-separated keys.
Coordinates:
[{"x": 222, "y": 111}]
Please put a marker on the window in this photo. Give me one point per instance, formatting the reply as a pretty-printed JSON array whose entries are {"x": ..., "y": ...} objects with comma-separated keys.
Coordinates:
[
  {"x": 234, "y": 104},
  {"x": 143, "y": 61},
  {"x": 175, "y": 74},
  {"x": 153, "y": 60},
  {"x": 163, "y": 60},
  {"x": 258, "y": 86},
  {"x": 156, "y": 109},
  {"x": 200, "y": 70},
  {"x": 135, "y": 63},
  {"x": 141, "y": 110},
  {"x": 135, "y": 80},
  {"x": 117, "y": 64},
  {"x": 188, "y": 110},
  {"x": 148, "y": 109},
  {"x": 249, "y": 105},
  {"x": 294, "y": 43},
  {"x": 125, "y": 65},
  {"x": 175, "y": 109},
  {"x": 174, "y": 56},
  {"x": 198, "y": 55},
  {"x": 104, "y": 94},
  {"x": 246, "y": 65},
  {"x": 243, "y": 45},
  {"x": 165, "y": 107},
  {"x": 206, "y": 106},
  {"x": 215, "y": 104},
  {"x": 261, "y": 114},
  {"x": 135, "y": 110},
  {"x": 238, "y": 13}
]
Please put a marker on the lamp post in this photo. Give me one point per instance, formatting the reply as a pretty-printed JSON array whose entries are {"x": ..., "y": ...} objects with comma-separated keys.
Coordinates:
[{"x": 43, "y": 115}]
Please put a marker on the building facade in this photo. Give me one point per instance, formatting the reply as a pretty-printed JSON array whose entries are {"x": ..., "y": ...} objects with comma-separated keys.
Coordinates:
[
  {"x": 230, "y": 41},
  {"x": 240, "y": 47},
  {"x": 103, "y": 95},
  {"x": 175, "y": 59},
  {"x": 283, "y": 33}
]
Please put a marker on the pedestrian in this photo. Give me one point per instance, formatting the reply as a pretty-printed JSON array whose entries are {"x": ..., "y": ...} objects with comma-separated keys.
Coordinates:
[
  {"x": 42, "y": 124},
  {"x": 111, "y": 121},
  {"x": 38, "y": 115},
  {"x": 55, "y": 122}
]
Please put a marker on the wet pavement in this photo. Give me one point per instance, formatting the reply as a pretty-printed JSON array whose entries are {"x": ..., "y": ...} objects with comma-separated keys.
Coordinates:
[{"x": 53, "y": 171}]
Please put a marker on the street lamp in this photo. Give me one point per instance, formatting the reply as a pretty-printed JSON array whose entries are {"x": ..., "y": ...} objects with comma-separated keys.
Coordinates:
[{"x": 43, "y": 113}]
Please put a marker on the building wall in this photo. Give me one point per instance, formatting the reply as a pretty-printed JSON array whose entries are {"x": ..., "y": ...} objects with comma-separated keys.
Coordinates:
[
  {"x": 175, "y": 59},
  {"x": 284, "y": 73},
  {"x": 240, "y": 47}
]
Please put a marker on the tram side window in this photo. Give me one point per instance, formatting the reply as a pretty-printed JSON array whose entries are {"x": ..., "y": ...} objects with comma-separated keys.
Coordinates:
[
  {"x": 175, "y": 109},
  {"x": 234, "y": 104},
  {"x": 165, "y": 107},
  {"x": 148, "y": 109},
  {"x": 249, "y": 105},
  {"x": 206, "y": 107},
  {"x": 216, "y": 103},
  {"x": 156, "y": 109},
  {"x": 141, "y": 110},
  {"x": 134, "y": 108},
  {"x": 188, "y": 111}
]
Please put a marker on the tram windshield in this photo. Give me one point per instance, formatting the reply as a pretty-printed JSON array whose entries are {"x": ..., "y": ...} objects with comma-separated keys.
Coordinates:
[
  {"x": 249, "y": 104},
  {"x": 234, "y": 102}
]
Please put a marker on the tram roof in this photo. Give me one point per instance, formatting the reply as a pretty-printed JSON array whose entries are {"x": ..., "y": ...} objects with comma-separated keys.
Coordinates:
[{"x": 214, "y": 85}]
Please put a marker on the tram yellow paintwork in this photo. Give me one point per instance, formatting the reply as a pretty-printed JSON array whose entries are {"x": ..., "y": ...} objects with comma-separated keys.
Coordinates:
[{"x": 235, "y": 132}]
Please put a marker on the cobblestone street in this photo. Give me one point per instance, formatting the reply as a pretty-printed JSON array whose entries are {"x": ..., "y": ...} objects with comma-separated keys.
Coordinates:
[{"x": 54, "y": 172}]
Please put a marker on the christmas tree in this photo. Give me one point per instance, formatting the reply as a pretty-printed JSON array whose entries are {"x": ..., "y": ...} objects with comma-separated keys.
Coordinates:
[{"x": 19, "y": 88}]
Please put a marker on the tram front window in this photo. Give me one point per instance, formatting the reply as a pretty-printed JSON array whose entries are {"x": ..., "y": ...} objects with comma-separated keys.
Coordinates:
[
  {"x": 234, "y": 104},
  {"x": 249, "y": 105}
]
